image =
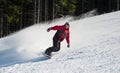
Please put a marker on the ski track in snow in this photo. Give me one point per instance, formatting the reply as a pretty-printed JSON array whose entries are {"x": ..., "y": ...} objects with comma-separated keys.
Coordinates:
[{"x": 95, "y": 48}]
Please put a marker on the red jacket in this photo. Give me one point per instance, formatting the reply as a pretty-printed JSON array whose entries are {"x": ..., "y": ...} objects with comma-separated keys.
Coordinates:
[{"x": 65, "y": 31}]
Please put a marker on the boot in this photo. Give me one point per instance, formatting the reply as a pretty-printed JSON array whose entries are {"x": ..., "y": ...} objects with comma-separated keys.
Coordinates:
[{"x": 47, "y": 52}]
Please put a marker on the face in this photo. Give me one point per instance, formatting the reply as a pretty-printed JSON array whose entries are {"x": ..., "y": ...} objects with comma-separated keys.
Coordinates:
[{"x": 67, "y": 26}]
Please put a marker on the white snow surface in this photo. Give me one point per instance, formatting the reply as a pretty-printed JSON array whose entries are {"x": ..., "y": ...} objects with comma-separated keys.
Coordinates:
[{"x": 95, "y": 47}]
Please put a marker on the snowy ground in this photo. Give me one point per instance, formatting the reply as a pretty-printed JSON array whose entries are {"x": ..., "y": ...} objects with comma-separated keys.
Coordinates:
[{"x": 95, "y": 48}]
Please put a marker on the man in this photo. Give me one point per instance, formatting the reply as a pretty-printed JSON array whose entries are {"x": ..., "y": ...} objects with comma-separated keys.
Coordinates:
[{"x": 62, "y": 33}]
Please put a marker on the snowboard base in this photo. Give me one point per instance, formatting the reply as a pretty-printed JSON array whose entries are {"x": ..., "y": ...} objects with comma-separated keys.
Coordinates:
[{"x": 47, "y": 56}]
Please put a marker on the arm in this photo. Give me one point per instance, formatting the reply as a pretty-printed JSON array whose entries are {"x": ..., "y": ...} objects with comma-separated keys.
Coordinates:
[
  {"x": 57, "y": 28},
  {"x": 68, "y": 39}
]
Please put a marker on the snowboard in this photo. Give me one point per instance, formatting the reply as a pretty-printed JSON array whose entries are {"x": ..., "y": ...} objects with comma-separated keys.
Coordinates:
[{"x": 45, "y": 55}]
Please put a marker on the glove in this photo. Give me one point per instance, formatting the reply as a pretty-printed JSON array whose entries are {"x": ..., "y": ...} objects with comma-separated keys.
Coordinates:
[
  {"x": 48, "y": 29},
  {"x": 68, "y": 45},
  {"x": 58, "y": 41}
]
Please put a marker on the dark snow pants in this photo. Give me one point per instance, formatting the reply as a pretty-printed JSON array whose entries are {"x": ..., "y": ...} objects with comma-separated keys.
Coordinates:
[{"x": 54, "y": 48}]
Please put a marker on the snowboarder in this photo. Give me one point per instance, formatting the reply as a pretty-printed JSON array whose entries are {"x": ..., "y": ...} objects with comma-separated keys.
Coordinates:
[{"x": 62, "y": 33}]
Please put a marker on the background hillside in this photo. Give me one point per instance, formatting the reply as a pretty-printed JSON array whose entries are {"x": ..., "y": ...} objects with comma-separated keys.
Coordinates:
[{"x": 95, "y": 47}]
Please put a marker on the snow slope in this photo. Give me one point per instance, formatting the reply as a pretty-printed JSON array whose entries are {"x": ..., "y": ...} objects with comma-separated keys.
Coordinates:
[{"x": 95, "y": 48}]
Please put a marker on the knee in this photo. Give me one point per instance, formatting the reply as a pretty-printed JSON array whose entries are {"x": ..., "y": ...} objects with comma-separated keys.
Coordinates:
[{"x": 56, "y": 49}]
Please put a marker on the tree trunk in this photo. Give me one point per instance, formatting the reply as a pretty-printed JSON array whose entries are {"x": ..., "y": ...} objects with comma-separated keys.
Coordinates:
[
  {"x": 35, "y": 3},
  {"x": 40, "y": 17},
  {"x": 46, "y": 10},
  {"x": 118, "y": 2},
  {"x": 110, "y": 5},
  {"x": 82, "y": 6},
  {"x": 1, "y": 22},
  {"x": 38, "y": 20},
  {"x": 53, "y": 12},
  {"x": 21, "y": 17}
]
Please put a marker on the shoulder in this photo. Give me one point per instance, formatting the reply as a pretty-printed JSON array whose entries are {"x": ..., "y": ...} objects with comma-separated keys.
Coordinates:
[{"x": 67, "y": 31}]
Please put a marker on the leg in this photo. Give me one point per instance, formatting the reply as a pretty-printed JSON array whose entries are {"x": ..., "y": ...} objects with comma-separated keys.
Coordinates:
[
  {"x": 54, "y": 48},
  {"x": 56, "y": 45},
  {"x": 48, "y": 51}
]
